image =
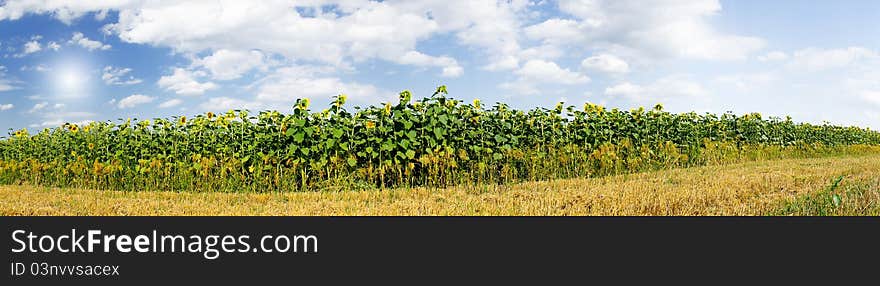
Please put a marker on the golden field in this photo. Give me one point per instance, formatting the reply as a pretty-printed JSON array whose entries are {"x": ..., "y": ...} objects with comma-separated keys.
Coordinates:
[{"x": 754, "y": 188}]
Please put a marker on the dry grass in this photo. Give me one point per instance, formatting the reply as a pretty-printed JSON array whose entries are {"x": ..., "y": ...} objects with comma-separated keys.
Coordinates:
[{"x": 754, "y": 188}]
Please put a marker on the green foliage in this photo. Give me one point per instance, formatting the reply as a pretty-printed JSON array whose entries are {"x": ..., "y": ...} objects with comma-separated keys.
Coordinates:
[
  {"x": 859, "y": 197},
  {"x": 433, "y": 141}
]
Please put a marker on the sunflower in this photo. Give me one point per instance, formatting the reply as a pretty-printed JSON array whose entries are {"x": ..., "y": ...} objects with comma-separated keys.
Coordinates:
[
  {"x": 182, "y": 120},
  {"x": 370, "y": 124},
  {"x": 303, "y": 103},
  {"x": 21, "y": 133},
  {"x": 451, "y": 103},
  {"x": 210, "y": 115},
  {"x": 340, "y": 100},
  {"x": 387, "y": 108}
]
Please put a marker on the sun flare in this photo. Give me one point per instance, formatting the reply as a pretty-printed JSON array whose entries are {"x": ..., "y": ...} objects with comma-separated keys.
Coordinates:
[{"x": 71, "y": 80}]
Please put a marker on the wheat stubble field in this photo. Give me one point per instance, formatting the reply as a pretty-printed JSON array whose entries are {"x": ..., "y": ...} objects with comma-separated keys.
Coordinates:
[{"x": 773, "y": 187}]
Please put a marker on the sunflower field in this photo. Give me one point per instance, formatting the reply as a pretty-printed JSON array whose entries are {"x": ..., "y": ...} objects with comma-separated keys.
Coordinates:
[{"x": 435, "y": 141}]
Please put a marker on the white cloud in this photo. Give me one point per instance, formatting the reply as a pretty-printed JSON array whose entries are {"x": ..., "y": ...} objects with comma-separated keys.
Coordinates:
[
  {"x": 624, "y": 89},
  {"x": 872, "y": 96},
  {"x": 38, "y": 107},
  {"x": 748, "y": 81},
  {"x": 57, "y": 122},
  {"x": 606, "y": 63},
  {"x": 32, "y": 47},
  {"x": 56, "y": 115},
  {"x": 661, "y": 28},
  {"x": 65, "y": 11},
  {"x": 4, "y": 107},
  {"x": 317, "y": 32},
  {"x": 452, "y": 71},
  {"x": 170, "y": 103},
  {"x": 341, "y": 32},
  {"x": 134, "y": 100},
  {"x": 101, "y": 14},
  {"x": 661, "y": 90},
  {"x": 773, "y": 56},
  {"x": 363, "y": 30},
  {"x": 813, "y": 59},
  {"x": 450, "y": 66},
  {"x": 504, "y": 63},
  {"x": 182, "y": 82},
  {"x": 228, "y": 103},
  {"x": 117, "y": 76},
  {"x": 544, "y": 52},
  {"x": 6, "y": 84},
  {"x": 549, "y": 72},
  {"x": 536, "y": 72},
  {"x": 520, "y": 87},
  {"x": 53, "y": 46},
  {"x": 490, "y": 26},
  {"x": 226, "y": 64},
  {"x": 91, "y": 45},
  {"x": 556, "y": 31},
  {"x": 285, "y": 85},
  {"x": 37, "y": 68}
]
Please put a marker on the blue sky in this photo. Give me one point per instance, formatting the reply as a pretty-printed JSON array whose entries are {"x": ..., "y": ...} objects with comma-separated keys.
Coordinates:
[{"x": 80, "y": 61}]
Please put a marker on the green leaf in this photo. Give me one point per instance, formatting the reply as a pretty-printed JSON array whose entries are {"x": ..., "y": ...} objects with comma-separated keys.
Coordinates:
[
  {"x": 352, "y": 162},
  {"x": 387, "y": 146},
  {"x": 499, "y": 139},
  {"x": 438, "y": 132},
  {"x": 298, "y": 137},
  {"x": 329, "y": 143},
  {"x": 337, "y": 133},
  {"x": 410, "y": 154}
]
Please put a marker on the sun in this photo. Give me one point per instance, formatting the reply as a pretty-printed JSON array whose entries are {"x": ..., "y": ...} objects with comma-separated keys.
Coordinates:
[{"x": 71, "y": 79}]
